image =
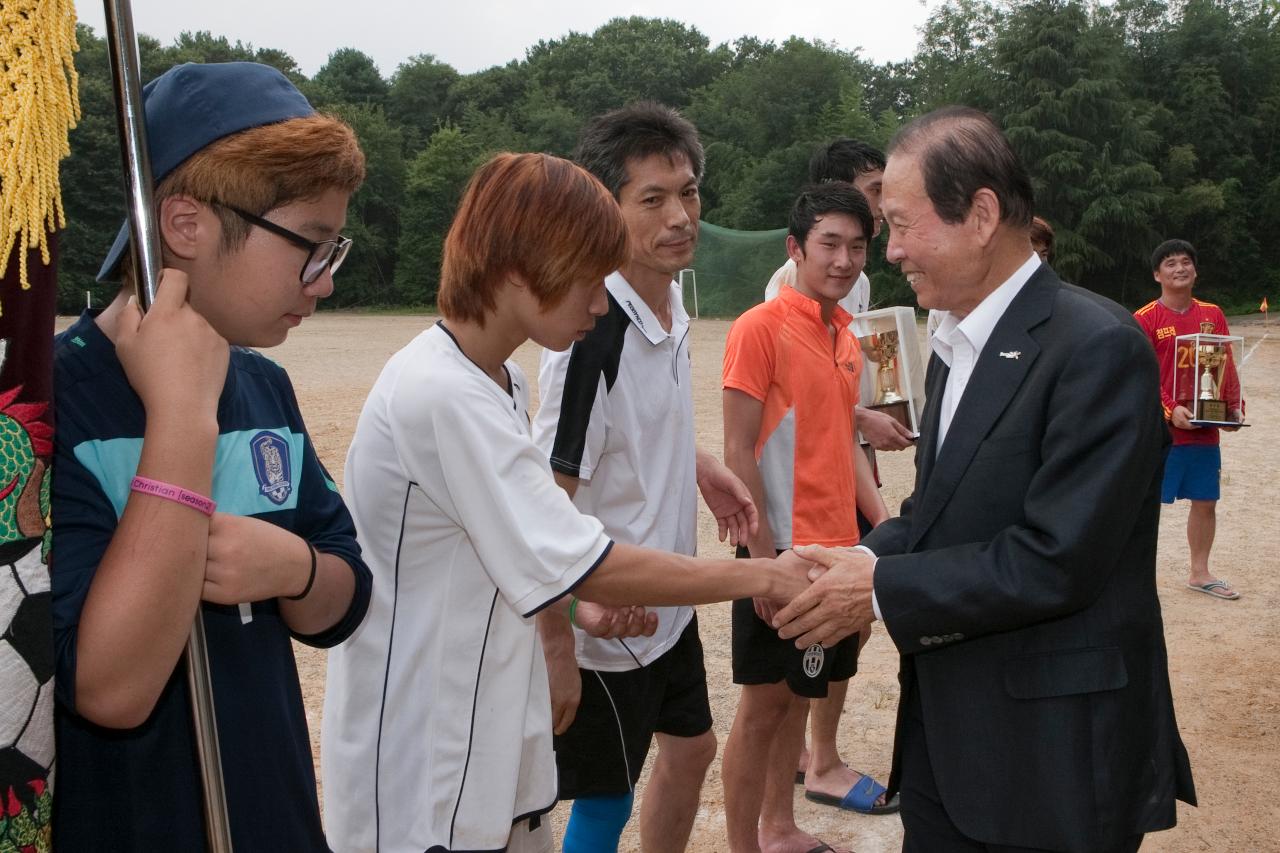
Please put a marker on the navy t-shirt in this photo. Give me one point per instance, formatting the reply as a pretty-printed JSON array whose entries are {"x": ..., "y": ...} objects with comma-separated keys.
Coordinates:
[{"x": 139, "y": 789}]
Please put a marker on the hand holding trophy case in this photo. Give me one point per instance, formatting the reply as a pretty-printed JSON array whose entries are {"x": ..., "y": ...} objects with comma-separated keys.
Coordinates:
[
  {"x": 892, "y": 369},
  {"x": 1205, "y": 380}
]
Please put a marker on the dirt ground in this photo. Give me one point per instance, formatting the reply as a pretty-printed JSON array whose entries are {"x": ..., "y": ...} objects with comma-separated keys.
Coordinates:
[{"x": 1224, "y": 656}]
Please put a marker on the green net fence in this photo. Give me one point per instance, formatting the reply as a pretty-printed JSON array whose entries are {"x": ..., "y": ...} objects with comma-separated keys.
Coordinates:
[{"x": 731, "y": 269}]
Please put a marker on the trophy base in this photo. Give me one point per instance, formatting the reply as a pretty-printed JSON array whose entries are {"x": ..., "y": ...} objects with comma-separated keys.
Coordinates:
[
  {"x": 900, "y": 412},
  {"x": 1200, "y": 422},
  {"x": 1211, "y": 410}
]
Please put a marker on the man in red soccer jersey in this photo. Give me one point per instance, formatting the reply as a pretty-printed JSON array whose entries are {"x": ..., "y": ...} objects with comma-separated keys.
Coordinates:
[{"x": 1193, "y": 464}]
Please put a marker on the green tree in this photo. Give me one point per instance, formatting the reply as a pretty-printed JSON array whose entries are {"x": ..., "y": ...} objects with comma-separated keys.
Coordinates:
[
  {"x": 624, "y": 60},
  {"x": 771, "y": 102},
  {"x": 762, "y": 119},
  {"x": 954, "y": 62},
  {"x": 436, "y": 178},
  {"x": 92, "y": 182},
  {"x": 418, "y": 99},
  {"x": 725, "y": 169},
  {"x": 349, "y": 77},
  {"x": 373, "y": 218},
  {"x": 1083, "y": 139},
  {"x": 1213, "y": 71},
  {"x": 762, "y": 199},
  {"x": 491, "y": 90},
  {"x": 204, "y": 46}
]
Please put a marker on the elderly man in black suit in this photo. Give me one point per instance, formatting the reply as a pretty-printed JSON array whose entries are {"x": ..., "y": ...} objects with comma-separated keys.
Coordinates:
[{"x": 1019, "y": 582}]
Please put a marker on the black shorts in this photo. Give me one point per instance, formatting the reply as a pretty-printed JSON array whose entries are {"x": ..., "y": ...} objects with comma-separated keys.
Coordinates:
[
  {"x": 604, "y": 750},
  {"x": 760, "y": 656}
]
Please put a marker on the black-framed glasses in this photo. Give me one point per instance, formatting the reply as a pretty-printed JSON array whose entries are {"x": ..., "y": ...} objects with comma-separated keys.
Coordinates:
[{"x": 326, "y": 254}]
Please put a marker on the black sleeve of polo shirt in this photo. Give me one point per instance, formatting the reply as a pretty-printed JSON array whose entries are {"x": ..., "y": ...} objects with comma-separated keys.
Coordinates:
[{"x": 599, "y": 353}]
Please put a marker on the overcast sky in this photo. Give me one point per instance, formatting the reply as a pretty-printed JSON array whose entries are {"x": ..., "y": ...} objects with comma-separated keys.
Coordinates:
[{"x": 477, "y": 34}]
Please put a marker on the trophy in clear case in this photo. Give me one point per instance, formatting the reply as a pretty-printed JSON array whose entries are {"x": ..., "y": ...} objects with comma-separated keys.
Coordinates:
[
  {"x": 892, "y": 369},
  {"x": 1205, "y": 380}
]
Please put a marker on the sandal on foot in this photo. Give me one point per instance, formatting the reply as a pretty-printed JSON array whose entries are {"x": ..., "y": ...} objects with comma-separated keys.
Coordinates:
[
  {"x": 860, "y": 798},
  {"x": 1216, "y": 589}
]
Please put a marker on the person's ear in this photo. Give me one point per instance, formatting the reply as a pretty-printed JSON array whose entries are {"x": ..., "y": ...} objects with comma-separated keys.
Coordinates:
[
  {"x": 795, "y": 251},
  {"x": 182, "y": 226},
  {"x": 984, "y": 215}
]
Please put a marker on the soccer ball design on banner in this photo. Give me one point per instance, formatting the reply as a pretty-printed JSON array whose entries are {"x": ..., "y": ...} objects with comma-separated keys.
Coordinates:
[{"x": 26, "y": 646}]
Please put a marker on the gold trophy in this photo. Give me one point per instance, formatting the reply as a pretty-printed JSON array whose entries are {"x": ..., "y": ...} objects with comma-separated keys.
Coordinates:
[
  {"x": 883, "y": 350},
  {"x": 1205, "y": 381},
  {"x": 1212, "y": 358}
]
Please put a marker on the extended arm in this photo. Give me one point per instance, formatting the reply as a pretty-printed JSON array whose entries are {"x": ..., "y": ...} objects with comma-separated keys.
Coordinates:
[{"x": 630, "y": 574}]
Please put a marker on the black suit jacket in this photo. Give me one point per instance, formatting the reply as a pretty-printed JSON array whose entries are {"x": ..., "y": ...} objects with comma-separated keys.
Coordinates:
[{"x": 1019, "y": 583}]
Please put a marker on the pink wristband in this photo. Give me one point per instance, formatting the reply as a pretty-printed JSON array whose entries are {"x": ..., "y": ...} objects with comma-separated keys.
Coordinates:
[{"x": 170, "y": 492}]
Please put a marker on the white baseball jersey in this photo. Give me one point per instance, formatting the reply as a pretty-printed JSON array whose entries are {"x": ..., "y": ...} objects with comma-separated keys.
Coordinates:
[{"x": 437, "y": 718}]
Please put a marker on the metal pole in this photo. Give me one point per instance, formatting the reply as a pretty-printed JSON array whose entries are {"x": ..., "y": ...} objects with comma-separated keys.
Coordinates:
[{"x": 122, "y": 47}]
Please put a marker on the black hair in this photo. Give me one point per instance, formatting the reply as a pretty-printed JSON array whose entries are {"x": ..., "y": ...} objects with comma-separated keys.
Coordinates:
[
  {"x": 636, "y": 131},
  {"x": 822, "y": 199},
  {"x": 844, "y": 160},
  {"x": 961, "y": 151},
  {"x": 1173, "y": 247}
]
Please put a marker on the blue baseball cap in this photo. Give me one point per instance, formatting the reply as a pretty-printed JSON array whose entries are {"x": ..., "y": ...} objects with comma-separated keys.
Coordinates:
[{"x": 193, "y": 105}]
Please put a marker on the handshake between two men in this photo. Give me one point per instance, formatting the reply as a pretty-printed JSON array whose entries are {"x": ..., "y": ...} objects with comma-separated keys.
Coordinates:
[{"x": 829, "y": 599}]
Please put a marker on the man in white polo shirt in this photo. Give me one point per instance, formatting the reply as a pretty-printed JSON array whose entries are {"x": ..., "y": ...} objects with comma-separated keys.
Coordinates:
[{"x": 616, "y": 420}]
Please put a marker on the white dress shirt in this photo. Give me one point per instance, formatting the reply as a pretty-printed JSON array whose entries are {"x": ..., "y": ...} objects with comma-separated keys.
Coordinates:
[{"x": 959, "y": 343}]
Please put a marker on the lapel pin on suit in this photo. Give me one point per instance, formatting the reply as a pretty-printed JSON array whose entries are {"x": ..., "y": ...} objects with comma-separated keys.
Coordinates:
[{"x": 1014, "y": 354}]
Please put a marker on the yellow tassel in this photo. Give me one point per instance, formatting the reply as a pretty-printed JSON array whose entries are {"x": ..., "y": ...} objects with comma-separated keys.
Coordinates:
[{"x": 39, "y": 104}]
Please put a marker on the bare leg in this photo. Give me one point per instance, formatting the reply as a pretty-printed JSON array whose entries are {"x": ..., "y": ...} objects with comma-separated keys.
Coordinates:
[
  {"x": 1201, "y": 525},
  {"x": 825, "y": 713},
  {"x": 762, "y": 710},
  {"x": 778, "y": 832},
  {"x": 670, "y": 800},
  {"x": 827, "y": 772},
  {"x": 777, "y": 810}
]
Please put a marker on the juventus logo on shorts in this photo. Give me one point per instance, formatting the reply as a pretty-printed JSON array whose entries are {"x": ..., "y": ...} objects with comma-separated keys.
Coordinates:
[{"x": 813, "y": 658}]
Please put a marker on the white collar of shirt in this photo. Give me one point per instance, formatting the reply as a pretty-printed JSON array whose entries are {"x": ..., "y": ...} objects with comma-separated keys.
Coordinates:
[
  {"x": 641, "y": 314},
  {"x": 976, "y": 328},
  {"x": 959, "y": 342}
]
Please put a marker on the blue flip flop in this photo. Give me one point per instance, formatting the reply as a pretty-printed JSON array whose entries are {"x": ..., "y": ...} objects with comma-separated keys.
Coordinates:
[{"x": 860, "y": 798}]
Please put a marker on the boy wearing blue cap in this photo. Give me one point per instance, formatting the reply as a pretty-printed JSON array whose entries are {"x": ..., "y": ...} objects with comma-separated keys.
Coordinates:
[{"x": 185, "y": 482}]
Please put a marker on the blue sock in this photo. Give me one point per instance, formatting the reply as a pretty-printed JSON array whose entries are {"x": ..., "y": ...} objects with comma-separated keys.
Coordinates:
[{"x": 596, "y": 823}]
